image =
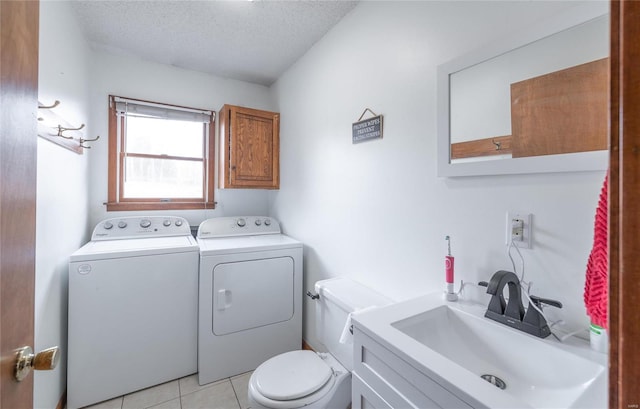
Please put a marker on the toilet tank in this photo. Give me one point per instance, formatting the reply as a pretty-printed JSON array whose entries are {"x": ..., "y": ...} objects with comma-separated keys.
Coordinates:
[{"x": 338, "y": 298}]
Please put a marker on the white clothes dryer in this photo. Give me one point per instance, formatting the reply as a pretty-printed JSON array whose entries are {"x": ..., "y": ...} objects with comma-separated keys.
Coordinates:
[
  {"x": 133, "y": 293},
  {"x": 250, "y": 295}
]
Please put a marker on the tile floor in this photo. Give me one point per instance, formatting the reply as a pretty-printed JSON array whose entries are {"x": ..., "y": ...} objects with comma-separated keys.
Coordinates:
[{"x": 185, "y": 393}]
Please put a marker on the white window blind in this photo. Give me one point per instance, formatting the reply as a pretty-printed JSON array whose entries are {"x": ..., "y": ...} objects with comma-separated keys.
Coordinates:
[{"x": 129, "y": 107}]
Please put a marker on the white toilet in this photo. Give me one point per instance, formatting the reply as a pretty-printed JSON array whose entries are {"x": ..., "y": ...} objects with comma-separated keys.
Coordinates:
[{"x": 308, "y": 379}]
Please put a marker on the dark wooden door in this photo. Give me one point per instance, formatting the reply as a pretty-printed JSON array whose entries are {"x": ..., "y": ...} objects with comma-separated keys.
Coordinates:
[
  {"x": 18, "y": 134},
  {"x": 624, "y": 207}
]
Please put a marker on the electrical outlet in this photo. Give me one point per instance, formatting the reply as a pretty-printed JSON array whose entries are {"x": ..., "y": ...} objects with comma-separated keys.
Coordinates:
[{"x": 519, "y": 229}]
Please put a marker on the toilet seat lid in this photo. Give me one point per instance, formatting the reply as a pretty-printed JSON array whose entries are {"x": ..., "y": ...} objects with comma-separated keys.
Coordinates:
[{"x": 292, "y": 375}]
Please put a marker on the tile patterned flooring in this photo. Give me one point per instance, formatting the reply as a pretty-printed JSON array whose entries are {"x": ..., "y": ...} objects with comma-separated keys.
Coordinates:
[{"x": 185, "y": 393}]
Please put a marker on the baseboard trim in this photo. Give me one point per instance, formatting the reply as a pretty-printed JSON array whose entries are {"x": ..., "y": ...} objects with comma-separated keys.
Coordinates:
[
  {"x": 306, "y": 346},
  {"x": 62, "y": 403}
]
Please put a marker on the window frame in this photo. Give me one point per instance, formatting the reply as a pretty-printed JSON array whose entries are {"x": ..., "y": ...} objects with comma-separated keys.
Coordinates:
[{"x": 117, "y": 156}]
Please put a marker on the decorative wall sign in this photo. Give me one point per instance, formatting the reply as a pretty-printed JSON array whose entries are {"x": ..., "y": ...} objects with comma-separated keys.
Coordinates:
[{"x": 367, "y": 129}]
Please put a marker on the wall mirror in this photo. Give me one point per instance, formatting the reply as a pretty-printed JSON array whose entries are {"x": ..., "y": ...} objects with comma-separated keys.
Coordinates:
[{"x": 531, "y": 103}]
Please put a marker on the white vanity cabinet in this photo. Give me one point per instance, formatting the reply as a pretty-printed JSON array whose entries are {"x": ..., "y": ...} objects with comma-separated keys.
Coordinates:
[
  {"x": 427, "y": 352},
  {"x": 381, "y": 379}
]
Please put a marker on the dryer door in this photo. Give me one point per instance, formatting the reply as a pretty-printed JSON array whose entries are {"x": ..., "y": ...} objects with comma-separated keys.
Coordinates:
[{"x": 251, "y": 294}]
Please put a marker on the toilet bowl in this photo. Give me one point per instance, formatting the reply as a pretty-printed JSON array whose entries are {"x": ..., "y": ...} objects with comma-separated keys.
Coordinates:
[
  {"x": 310, "y": 379},
  {"x": 300, "y": 379}
]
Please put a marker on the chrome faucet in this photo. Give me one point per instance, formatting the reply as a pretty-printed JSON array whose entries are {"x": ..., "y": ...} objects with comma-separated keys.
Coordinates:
[{"x": 511, "y": 312}]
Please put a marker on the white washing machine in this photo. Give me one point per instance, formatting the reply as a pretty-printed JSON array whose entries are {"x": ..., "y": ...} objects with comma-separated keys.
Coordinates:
[
  {"x": 250, "y": 295},
  {"x": 133, "y": 293}
]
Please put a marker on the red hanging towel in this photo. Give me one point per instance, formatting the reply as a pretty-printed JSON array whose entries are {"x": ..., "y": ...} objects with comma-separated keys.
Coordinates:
[{"x": 596, "y": 287}]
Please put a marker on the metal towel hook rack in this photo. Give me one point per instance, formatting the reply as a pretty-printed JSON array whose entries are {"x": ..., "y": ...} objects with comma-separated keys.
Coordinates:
[
  {"x": 54, "y": 128},
  {"x": 82, "y": 141},
  {"x": 55, "y": 104},
  {"x": 62, "y": 129}
]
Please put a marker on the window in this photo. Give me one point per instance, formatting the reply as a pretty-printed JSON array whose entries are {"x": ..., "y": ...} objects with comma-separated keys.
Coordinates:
[{"x": 160, "y": 156}]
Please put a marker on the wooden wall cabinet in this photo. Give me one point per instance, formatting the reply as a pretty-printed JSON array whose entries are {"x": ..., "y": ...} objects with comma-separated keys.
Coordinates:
[
  {"x": 249, "y": 148},
  {"x": 561, "y": 112}
]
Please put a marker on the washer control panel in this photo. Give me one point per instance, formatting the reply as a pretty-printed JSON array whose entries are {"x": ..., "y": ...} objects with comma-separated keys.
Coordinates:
[
  {"x": 238, "y": 226},
  {"x": 135, "y": 227}
]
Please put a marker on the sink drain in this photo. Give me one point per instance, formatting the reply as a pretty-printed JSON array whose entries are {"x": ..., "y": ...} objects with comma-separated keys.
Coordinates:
[{"x": 494, "y": 380}]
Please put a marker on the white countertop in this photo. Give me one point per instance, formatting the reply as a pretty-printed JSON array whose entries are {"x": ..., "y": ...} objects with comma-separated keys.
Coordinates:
[{"x": 456, "y": 378}]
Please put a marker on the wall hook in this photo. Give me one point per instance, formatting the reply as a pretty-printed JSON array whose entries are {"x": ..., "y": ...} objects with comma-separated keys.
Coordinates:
[
  {"x": 498, "y": 144},
  {"x": 82, "y": 141},
  {"x": 55, "y": 104},
  {"x": 62, "y": 129}
]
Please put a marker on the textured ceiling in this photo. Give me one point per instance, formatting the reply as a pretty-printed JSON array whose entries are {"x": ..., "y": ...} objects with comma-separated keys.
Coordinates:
[{"x": 254, "y": 41}]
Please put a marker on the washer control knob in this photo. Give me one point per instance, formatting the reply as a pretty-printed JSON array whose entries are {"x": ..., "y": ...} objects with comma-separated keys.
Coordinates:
[
  {"x": 107, "y": 225},
  {"x": 144, "y": 223},
  {"x": 258, "y": 222},
  {"x": 166, "y": 223},
  {"x": 122, "y": 224},
  {"x": 178, "y": 222},
  {"x": 267, "y": 222},
  {"x": 241, "y": 222}
]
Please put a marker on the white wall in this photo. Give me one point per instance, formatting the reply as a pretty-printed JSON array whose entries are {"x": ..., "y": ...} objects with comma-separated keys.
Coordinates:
[
  {"x": 62, "y": 193},
  {"x": 376, "y": 211},
  {"x": 132, "y": 77}
]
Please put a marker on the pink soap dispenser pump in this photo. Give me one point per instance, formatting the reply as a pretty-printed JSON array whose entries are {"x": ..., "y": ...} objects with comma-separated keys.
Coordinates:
[{"x": 449, "y": 293}]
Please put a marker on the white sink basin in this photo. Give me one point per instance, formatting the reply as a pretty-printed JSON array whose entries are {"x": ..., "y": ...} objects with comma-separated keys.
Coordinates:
[
  {"x": 534, "y": 372},
  {"x": 454, "y": 344}
]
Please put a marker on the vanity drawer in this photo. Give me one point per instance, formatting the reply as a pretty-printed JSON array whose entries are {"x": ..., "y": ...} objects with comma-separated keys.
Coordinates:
[
  {"x": 363, "y": 397},
  {"x": 395, "y": 381}
]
